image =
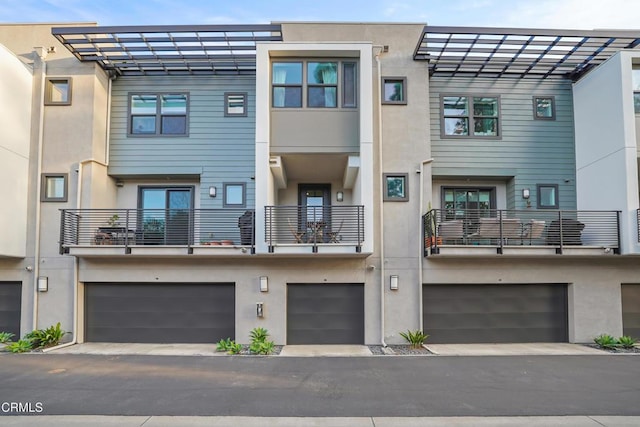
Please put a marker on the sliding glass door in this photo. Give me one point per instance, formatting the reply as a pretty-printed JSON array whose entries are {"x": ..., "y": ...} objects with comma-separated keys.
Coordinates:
[{"x": 166, "y": 215}]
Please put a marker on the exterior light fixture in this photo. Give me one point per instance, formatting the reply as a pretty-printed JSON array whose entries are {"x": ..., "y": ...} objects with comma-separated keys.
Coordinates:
[
  {"x": 340, "y": 196},
  {"x": 260, "y": 309},
  {"x": 212, "y": 191},
  {"x": 393, "y": 282},
  {"x": 264, "y": 284},
  {"x": 526, "y": 193},
  {"x": 43, "y": 284}
]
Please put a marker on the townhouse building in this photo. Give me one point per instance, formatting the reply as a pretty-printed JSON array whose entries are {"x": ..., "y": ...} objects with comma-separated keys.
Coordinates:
[{"x": 334, "y": 183}]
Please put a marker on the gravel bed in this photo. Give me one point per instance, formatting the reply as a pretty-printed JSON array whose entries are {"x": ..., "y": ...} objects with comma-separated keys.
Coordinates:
[
  {"x": 397, "y": 350},
  {"x": 633, "y": 350}
]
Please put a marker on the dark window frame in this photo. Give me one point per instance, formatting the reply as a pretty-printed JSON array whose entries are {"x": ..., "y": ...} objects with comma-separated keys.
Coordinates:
[
  {"x": 386, "y": 197},
  {"x": 552, "y": 99},
  {"x": 556, "y": 189},
  {"x": 43, "y": 187},
  {"x": 471, "y": 117},
  {"x": 158, "y": 116},
  {"x": 48, "y": 90},
  {"x": 389, "y": 79},
  {"x": 244, "y": 96},
  {"x": 224, "y": 195}
]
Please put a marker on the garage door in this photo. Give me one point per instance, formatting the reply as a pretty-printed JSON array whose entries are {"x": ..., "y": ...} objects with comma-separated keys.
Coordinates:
[
  {"x": 159, "y": 312},
  {"x": 495, "y": 313},
  {"x": 10, "y": 303},
  {"x": 325, "y": 314},
  {"x": 631, "y": 310}
]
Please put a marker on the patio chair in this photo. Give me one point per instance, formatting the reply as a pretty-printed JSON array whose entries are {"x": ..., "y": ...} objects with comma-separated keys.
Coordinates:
[
  {"x": 452, "y": 230},
  {"x": 533, "y": 230},
  {"x": 298, "y": 235}
]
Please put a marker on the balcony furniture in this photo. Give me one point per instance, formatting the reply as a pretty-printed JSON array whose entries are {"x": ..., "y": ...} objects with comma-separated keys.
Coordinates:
[
  {"x": 114, "y": 236},
  {"x": 451, "y": 230},
  {"x": 316, "y": 229},
  {"x": 334, "y": 236},
  {"x": 298, "y": 235},
  {"x": 533, "y": 230},
  {"x": 490, "y": 228},
  {"x": 571, "y": 232},
  {"x": 246, "y": 223}
]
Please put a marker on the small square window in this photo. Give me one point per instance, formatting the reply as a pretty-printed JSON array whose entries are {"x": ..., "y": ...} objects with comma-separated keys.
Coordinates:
[
  {"x": 58, "y": 91},
  {"x": 53, "y": 187},
  {"x": 548, "y": 196},
  {"x": 544, "y": 108},
  {"x": 394, "y": 90},
  {"x": 234, "y": 195},
  {"x": 235, "y": 104},
  {"x": 396, "y": 187}
]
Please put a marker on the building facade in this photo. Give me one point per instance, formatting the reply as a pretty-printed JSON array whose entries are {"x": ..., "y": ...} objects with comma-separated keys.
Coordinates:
[{"x": 334, "y": 183}]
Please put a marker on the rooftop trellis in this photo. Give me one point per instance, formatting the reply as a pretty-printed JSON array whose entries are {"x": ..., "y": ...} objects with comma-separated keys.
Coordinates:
[
  {"x": 518, "y": 52},
  {"x": 175, "y": 50}
]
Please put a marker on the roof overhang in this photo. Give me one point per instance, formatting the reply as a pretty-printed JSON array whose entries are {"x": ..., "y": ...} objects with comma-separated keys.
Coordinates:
[
  {"x": 169, "y": 50},
  {"x": 518, "y": 52}
]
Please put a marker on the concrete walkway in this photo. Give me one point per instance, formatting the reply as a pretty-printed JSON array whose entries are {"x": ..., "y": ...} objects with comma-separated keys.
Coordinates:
[
  {"x": 529, "y": 349},
  {"x": 138, "y": 421}
]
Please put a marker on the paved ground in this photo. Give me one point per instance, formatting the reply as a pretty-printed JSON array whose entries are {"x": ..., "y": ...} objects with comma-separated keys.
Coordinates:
[{"x": 379, "y": 386}]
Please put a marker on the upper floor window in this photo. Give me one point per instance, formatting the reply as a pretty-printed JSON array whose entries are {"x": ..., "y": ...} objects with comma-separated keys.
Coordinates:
[
  {"x": 470, "y": 116},
  {"x": 235, "y": 104},
  {"x": 53, "y": 187},
  {"x": 315, "y": 84},
  {"x": 635, "y": 76},
  {"x": 544, "y": 108},
  {"x": 394, "y": 90},
  {"x": 158, "y": 114},
  {"x": 58, "y": 91}
]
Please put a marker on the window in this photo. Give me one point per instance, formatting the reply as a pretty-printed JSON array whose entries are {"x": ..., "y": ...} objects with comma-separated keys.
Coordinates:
[
  {"x": 314, "y": 84},
  {"x": 158, "y": 114},
  {"x": 544, "y": 108},
  {"x": 394, "y": 90},
  {"x": 635, "y": 77},
  {"x": 470, "y": 116},
  {"x": 234, "y": 195},
  {"x": 396, "y": 187},
  {"x": 53, "y": 187},
  {"x": 547, "y": 196},
  {"x": 58, "y": 91},
  {"x": 235, "y": 104}
]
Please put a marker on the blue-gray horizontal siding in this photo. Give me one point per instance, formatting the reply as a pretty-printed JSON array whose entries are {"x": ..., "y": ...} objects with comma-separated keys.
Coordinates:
[
  {"x": 528, "y": 152},
  {"x": 220, "y": 149}
]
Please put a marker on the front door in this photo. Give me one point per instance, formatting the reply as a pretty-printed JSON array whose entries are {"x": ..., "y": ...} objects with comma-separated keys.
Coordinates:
[
  {"x": 166, "y": 214},
  {"x": 314, "y": 201}
]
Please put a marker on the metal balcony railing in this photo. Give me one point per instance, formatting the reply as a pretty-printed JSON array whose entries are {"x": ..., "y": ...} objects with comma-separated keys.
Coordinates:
[
  {"x": 638, "y": 216},
  {"x": 501, "y": 228},
  {"x": 314, "y": 225},
  {"x": 166, "y": 227}
]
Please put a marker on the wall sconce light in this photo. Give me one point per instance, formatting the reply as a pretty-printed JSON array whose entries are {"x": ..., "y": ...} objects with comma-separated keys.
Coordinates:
[
  {"x": 43, "y": 284},
  {"x": 393, "y": 283},
  {"x": 119, "y": 183},
  {"x": 340, "y": 196},
  {"x": 525, "y": 193},
  {"x": 212, "y": 191},
  {"x": 264, "y": 284},
  {"x": 259, "y": 309}
]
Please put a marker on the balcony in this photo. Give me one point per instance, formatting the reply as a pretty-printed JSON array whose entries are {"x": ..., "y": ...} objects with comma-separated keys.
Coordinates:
[
  {"x": 521, "y": 232},
  {"x": 314, "y": 229},
  {"x": 161, "y": 232},
  {"x": 638, "y": 216}
]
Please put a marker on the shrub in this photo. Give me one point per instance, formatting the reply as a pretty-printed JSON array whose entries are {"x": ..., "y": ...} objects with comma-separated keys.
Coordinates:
[
  {"x": 415, "y": 338},
  {"x": 259, "y": 343},
  {"x": 627, "y": 341},
  {"x": 606, "y": 341},
  {"x": 5, "y": 337},
  {"x": 20, "y": 346},
  {"x": 229, "y": 345},
  {"x": 48, "y": 337}
]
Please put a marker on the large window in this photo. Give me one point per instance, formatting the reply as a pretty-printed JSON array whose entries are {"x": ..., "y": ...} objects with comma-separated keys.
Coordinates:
[
  {"x": 470, "y": 116},
  {"x": 314, "y": 84},
  {"x": 158, "y": 114},
  {"x": 635, "y": 74}
]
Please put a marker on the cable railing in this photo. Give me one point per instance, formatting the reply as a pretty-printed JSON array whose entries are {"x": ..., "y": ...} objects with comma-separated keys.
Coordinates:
[
  {"x": 156, "y": 227},
  {"x": 314, "y": 225},
  {"x": 501, "y": 228}
]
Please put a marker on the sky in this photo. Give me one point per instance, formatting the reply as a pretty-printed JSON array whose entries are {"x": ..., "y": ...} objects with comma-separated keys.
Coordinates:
[{"x": 563, "y": 14}]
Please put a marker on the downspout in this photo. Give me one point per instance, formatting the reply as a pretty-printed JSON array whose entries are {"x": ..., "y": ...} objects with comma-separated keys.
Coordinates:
[
  {"x": 42, "y": 55},
  {"x": 421, "y": 245},
  {"x": 76, "y": 263},
  {"x": 381, "y": 210}
]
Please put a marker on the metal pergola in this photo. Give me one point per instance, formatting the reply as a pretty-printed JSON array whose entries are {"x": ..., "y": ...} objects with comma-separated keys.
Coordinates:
[
  {"x": 518, "y": 52},
  {"x": 169, "y": 50}
]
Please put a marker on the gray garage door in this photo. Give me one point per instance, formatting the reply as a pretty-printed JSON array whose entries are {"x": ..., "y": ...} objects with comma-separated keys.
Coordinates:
[
  {"x": 495, "y": 313},
  {"x": 631, "y": 310},
  {"x": 159, "y": 312},
  {"x": 325, "y": 314},
  {"x": 10, "y": 302}
]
